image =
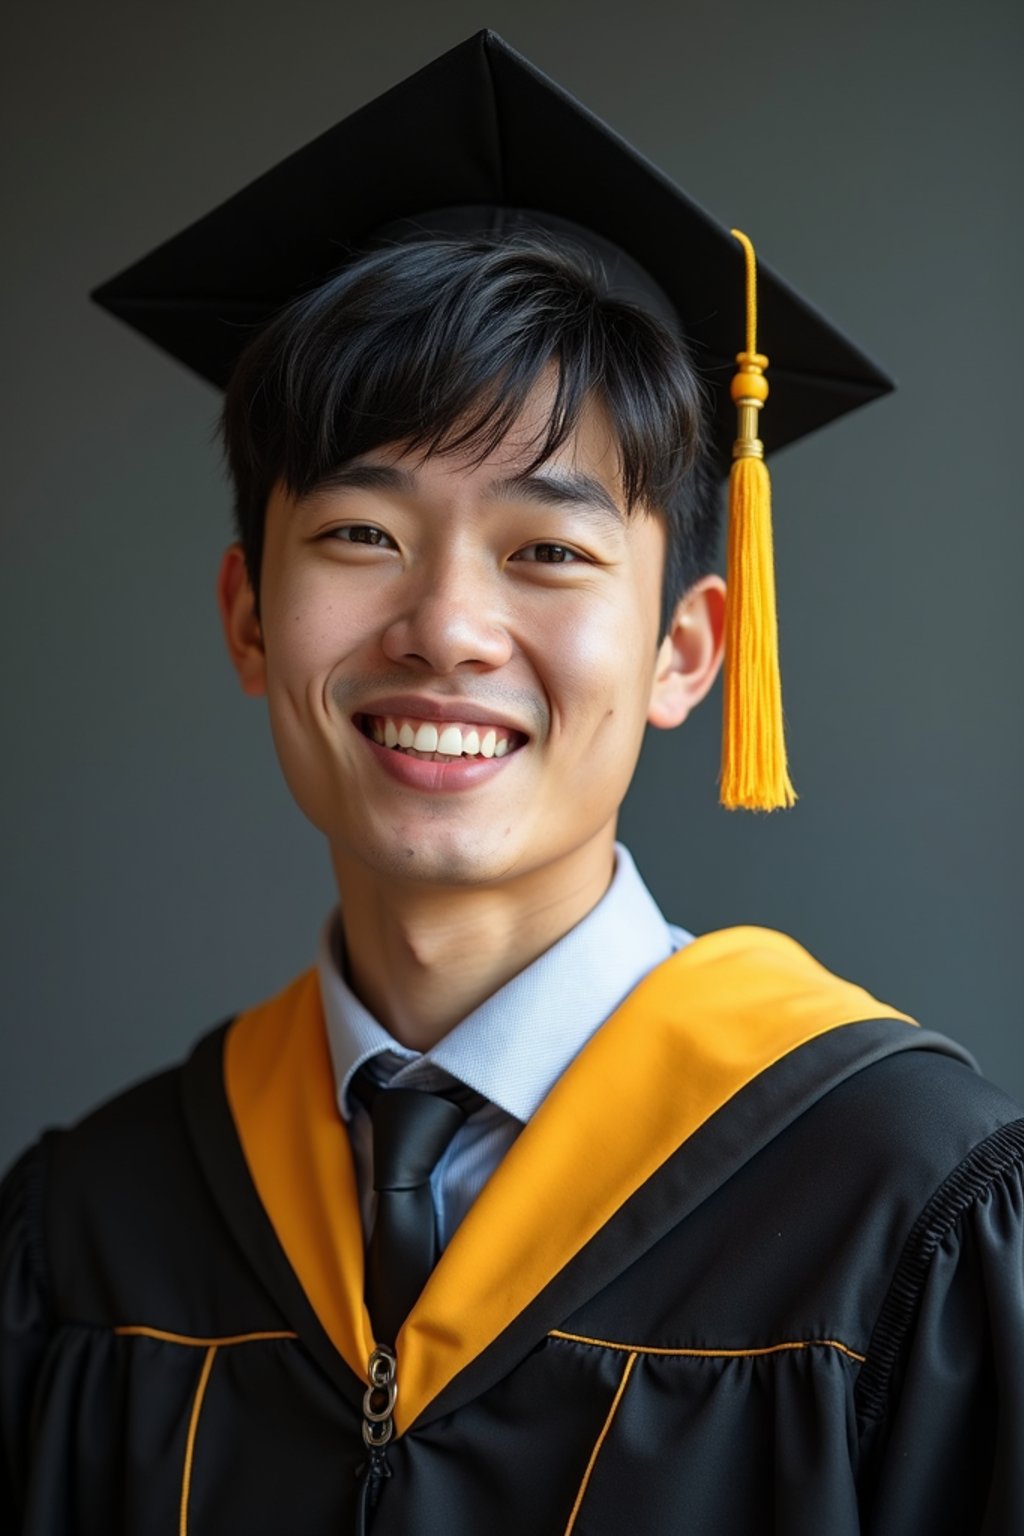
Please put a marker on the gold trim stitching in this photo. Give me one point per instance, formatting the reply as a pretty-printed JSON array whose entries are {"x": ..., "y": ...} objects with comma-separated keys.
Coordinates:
[
  {"x": 139, "y": 1330},
  {"x": 711, "y": 1354},
  {"x": 190, "y": 1443},
  {"x": 599, "y": 1442}
]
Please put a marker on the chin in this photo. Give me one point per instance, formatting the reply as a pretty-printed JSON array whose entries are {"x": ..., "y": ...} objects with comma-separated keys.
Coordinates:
[{"x": 457, "y": 861}]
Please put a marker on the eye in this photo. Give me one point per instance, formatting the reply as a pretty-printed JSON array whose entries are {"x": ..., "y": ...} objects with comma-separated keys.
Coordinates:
[
  {"x": 361, "y": 533},
  {"x": 548, "y": 554}
]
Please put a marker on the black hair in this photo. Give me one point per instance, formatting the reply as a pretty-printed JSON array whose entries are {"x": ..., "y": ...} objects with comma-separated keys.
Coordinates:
[{"x": 437, "y": 344}]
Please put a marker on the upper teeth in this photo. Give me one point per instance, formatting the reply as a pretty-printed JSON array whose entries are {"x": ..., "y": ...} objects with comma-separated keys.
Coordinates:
[{"x": 449, "y": 739}]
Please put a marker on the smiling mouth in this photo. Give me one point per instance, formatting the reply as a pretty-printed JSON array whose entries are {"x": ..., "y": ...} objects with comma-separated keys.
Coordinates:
[{"x": 439, "y": 741}]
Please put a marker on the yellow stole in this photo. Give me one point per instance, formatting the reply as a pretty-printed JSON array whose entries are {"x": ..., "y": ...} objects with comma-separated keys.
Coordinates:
[{"x": 696, "y": 1030}]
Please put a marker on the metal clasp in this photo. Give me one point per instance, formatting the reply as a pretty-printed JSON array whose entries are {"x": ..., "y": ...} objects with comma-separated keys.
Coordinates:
[{"x": 380, "y": 1397}]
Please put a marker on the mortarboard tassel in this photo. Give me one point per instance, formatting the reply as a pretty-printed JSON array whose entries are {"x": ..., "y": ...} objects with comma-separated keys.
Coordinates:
[{"x": 754, "y": 772}]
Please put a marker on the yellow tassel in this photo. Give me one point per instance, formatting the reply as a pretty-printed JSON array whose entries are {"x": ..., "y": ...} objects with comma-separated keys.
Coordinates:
[{"x": 754, "y": 772}]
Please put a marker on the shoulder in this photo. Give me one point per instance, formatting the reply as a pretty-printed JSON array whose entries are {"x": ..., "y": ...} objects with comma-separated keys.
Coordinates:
[
  {"x": 842, "y": 1198},
  {"x": 902, "y": 1146},
  {"x": 967, "y": 1138},
  {"x": 136, "y": 1140},
  {"x": 923, "y": 1159},
  {"x": 117, "y": 1195},
  {"x": 922, "y": 1109}
]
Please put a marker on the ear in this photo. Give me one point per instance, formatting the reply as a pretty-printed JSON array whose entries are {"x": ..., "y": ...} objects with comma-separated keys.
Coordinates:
[
  {"x": 237, "y": 603},
  {"x": 690, "y": 654}
]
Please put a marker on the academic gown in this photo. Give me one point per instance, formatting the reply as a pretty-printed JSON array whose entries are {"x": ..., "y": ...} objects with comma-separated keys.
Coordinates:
[{"x": 754, "y": 1266}]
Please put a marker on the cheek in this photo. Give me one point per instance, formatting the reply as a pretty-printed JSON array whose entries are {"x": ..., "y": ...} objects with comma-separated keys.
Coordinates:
[
  {"x": 309, "y": 628},
  {"x": 307, "y": 640},
  {"x": 604, "y": 664}
]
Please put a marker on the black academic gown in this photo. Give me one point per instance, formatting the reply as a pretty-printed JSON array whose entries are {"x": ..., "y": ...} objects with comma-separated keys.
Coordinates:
[{"x": 755, "y": 1266}]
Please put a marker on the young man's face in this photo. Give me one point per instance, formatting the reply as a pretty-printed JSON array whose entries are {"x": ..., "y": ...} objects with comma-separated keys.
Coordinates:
[{"x": 506, "y": 627}]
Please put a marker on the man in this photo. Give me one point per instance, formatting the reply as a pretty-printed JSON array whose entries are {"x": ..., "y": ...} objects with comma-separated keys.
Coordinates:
[{"x": 523, "y": 1211}]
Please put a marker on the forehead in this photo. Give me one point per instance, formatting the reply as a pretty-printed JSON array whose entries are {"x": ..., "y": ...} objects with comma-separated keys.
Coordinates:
[{"x": 583, "y": 470}]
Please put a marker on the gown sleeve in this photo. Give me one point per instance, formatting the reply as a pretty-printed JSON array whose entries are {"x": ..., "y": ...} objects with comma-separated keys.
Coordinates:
[
  {"x": 24, "y": 1327},
  {"x": 944, "y": 1388}
]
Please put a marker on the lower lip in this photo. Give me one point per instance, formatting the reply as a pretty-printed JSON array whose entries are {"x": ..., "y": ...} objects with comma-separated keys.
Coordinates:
[{"x": 418, "y": 773}]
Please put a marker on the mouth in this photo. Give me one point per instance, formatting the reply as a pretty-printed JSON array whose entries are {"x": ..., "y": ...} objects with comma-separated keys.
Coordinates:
[{"x": 439, "y": 741}]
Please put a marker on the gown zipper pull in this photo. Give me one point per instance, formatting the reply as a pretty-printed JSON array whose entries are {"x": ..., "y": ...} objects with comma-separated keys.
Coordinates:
[{"x": 378, "y": 1428}]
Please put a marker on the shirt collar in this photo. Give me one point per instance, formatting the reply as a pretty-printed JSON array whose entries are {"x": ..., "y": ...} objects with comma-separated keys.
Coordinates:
[{"x": 514, "y": 1047}]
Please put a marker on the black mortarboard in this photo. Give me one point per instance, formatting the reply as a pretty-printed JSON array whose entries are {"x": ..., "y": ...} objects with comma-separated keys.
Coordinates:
[
  {"x": 481, "y": 138},
  {"x": 481, "y": 126}
]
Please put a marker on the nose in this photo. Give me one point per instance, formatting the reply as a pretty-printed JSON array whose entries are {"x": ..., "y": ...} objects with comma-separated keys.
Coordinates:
[{"x": 450, "y": 621}]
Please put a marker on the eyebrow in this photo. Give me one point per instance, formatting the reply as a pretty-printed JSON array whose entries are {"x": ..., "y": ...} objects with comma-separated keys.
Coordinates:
[
  {"x": 365, "y": 477},
  {"x": 562, "y": 488},
  {"x": 549, "y": 488}
]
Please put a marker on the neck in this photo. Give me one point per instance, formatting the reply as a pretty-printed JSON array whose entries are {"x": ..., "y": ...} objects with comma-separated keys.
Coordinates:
[{"x": 422, "y": 958}]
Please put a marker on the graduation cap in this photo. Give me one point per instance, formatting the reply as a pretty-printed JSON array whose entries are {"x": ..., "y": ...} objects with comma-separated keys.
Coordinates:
[{"x": 481, "y": 141}]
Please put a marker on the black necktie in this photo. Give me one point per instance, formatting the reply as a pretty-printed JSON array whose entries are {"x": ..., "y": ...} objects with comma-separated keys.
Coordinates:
[{"x": 411, "y": 1129}]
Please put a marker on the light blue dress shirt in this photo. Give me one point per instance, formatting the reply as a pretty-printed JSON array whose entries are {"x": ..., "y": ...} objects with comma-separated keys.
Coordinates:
[{"x": 511, "y": 1050}]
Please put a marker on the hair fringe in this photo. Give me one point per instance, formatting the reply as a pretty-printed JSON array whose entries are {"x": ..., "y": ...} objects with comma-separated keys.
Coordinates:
[{"x": 438, "y": 345}]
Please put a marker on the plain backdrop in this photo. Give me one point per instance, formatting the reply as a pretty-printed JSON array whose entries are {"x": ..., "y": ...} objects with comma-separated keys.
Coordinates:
[{"x": 156, "y": 875}]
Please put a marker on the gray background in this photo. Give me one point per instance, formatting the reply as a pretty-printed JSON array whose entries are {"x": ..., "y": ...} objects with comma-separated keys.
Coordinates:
[{"x": 156, "y": 876}]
